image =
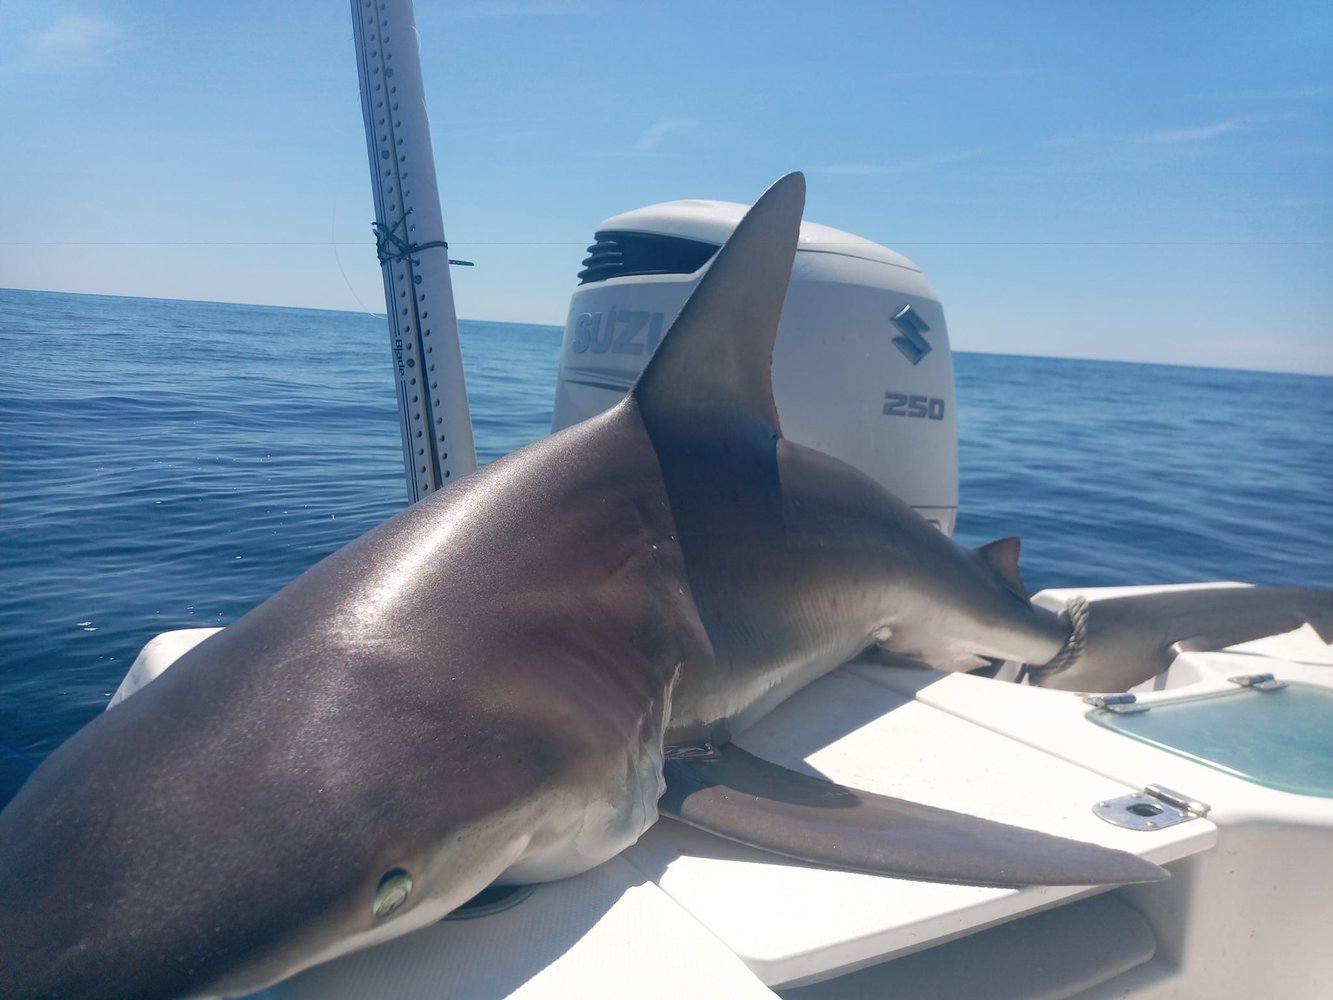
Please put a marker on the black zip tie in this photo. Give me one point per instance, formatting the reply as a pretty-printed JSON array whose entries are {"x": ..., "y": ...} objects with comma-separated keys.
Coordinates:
[{"x": 386, "y": 240}]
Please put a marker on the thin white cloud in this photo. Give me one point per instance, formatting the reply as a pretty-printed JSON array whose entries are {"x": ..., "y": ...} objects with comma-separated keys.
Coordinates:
[
  {"x": 1270, "y": 94},
  {"x": 659, "y": 132},
  {"x": 1167, "y": 137},
  {"x": 68, "y": 42},
  {"x": 901, "y": 167},
  {"x": 852, "y": 169},
  {"x": 517, "y": 8},
  {"x": 1203, "y": 133},
  {"x": 1077, "y": 139},
  {"x": 1199, "y": 133},
  {"x": 1007, "y": 73},
  {"x": 75, "y": 33},
  {"x": 961, "y": 73}
]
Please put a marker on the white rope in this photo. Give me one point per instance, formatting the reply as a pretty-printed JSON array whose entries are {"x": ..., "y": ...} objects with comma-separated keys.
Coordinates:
[{"x": 1076, "y": 613}]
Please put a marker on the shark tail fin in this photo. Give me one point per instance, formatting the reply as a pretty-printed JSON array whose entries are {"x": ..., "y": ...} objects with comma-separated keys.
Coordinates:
[
  {"x": 718, "y": 354},
  {"x": 1134, "y": 637},
  {"x": 743, "y": 798},
  {"x": 1245, "y": 613}
]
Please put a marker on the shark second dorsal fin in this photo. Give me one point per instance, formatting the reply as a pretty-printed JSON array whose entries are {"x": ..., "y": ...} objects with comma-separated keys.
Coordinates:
[
  {"x": 718, "y": 354},
  {"x": 1001, "y": 555}
]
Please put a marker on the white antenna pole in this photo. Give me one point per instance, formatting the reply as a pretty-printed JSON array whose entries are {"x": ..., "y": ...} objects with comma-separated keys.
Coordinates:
[{"x": 418, "y": 295}]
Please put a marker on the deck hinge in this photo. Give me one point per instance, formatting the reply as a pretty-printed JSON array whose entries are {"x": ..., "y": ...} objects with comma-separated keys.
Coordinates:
[
  {"x": 1260, "y": 682},
  {"x": 1124, "y": 704},
  {"x": 1154, "y": 808}
]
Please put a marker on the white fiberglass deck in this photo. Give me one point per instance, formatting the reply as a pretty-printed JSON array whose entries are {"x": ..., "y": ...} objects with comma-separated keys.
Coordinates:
[{"x": 685, "y": 914}]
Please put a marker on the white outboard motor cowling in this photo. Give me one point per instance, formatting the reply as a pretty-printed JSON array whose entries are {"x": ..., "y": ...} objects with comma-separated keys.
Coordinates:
[{"x": 861, "y": 370}]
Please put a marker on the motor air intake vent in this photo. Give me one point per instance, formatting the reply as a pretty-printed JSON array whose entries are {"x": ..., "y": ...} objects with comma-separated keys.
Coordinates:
[{"x": 619, "y": 254}]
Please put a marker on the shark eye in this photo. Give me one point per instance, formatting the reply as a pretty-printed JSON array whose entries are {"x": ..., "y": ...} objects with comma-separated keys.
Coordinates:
[{"x": 392, "y": 892}]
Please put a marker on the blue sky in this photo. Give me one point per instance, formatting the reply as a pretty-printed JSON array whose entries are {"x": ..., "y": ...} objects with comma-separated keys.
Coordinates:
[{"x": 1110, "y": 180}]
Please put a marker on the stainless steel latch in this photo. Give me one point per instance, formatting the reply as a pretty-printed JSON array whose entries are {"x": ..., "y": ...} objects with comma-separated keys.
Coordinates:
[
  {"x": 1260, "y": 682},
  {"x": 1123, "y": 704},
  {"x": 1154, "y": 808}
]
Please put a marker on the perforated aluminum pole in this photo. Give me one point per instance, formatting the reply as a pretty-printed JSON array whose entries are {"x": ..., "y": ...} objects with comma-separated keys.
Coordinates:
[{"x": 418, "y": 293}]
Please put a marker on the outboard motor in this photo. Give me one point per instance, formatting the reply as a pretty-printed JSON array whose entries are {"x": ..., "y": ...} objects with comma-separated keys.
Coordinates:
[{"x": 861, "y": 370}]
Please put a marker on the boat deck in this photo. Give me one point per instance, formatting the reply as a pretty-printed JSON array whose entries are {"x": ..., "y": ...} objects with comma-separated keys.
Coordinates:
[{"x": 683, "y": 913}]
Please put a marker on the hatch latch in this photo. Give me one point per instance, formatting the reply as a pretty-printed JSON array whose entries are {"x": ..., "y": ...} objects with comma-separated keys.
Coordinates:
[
  {"x": 1260, "y": 682},
  {"x": 1154, "y": 808},
  {"x": 1122, "y": 704}
]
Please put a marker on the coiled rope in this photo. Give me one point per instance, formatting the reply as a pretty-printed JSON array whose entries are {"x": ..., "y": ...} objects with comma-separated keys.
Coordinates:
[{"x": 1076, "y": 613}]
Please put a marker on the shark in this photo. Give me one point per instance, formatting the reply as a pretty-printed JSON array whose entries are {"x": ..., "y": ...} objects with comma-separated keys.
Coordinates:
[{"x": 511, "y": 680}]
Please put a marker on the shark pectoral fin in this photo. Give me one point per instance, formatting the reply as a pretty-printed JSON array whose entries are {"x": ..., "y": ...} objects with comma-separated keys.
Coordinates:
[{"x": 733, "y": 794}]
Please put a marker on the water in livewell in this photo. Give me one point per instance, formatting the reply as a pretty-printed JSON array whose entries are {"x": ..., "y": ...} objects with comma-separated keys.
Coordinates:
[{"x": 170, "y": 464}]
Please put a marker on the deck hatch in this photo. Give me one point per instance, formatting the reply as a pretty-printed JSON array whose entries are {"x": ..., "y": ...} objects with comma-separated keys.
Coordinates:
[{"x": 1281, "y": 737}]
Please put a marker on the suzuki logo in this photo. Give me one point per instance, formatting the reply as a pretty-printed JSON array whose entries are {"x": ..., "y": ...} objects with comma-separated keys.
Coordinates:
[{"x": 911, "y": 342}]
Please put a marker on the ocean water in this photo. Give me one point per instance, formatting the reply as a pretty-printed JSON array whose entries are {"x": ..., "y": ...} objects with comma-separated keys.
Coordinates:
[{"x": 170, "y": 464}]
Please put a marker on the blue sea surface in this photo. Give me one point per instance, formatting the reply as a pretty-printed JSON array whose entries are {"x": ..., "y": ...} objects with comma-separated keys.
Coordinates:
[{"x": 170, "y": 464}]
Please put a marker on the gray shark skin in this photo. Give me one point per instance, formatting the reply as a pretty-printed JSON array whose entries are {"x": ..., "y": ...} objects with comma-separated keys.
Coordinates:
[
  {"x": 1133, "y": 638},
  {"x": 478, "y": 687},
  {"x": 483, "y": 688}
]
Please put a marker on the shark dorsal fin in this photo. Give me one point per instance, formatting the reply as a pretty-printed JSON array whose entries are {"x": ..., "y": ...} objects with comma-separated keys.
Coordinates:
[
  {"x": 718, "y": 354},
  {"x": 1001, "y": 555}
]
